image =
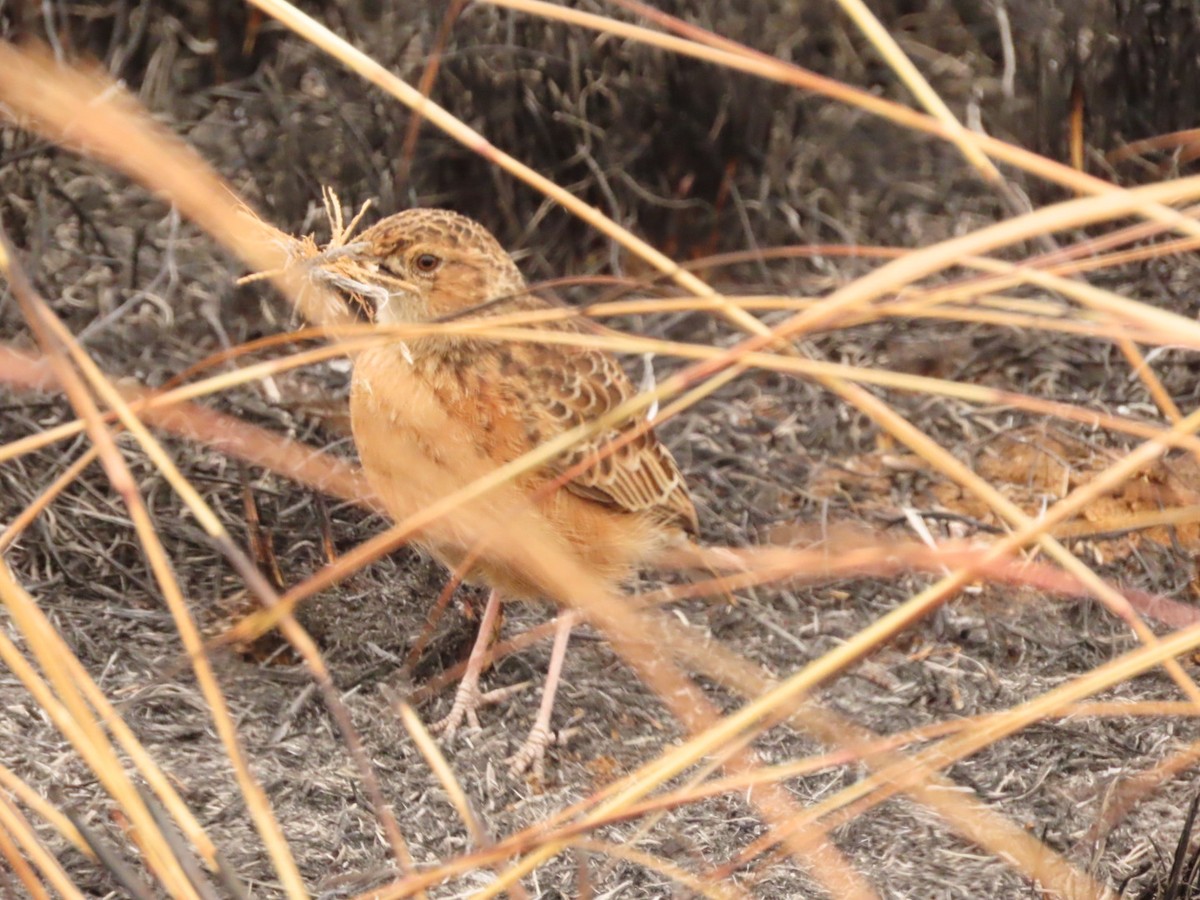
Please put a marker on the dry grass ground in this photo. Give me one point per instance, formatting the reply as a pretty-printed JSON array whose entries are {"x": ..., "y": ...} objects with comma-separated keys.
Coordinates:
[{"x": 697, "y": 160}]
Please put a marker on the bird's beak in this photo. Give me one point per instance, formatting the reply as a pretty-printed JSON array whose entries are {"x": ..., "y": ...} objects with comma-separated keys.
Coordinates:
[
  {"x": 390, "y": 295},
  {"x": 356, "y": 272}
]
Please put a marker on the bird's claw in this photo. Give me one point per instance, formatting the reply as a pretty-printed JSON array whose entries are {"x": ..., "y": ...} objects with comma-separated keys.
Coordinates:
[
  {"x": 531, "y": 755},
  {"x": 468, "y": 699}
]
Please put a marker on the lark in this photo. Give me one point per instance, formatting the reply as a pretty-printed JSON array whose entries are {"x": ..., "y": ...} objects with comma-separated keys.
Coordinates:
[{"x": 435, "y": 413}]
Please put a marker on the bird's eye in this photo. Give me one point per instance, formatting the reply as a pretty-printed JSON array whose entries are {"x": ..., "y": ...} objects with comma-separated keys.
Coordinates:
[{"x": 427, "y": 262}]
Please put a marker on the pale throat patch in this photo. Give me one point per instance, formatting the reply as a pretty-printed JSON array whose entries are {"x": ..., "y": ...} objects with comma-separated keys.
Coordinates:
[{"x": 385, "y": 315}]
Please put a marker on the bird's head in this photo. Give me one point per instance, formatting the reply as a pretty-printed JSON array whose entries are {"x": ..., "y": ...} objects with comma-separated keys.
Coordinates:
[{"x": 433, "y": 263}]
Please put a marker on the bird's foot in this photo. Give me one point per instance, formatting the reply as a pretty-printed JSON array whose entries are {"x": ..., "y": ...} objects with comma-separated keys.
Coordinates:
[
  {"x": 467, "y": 701},
  {"x": 531, "y": 755}
]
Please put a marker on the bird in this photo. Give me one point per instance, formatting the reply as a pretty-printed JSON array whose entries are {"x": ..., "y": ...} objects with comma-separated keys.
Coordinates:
[{"x": 434, "y": 412}]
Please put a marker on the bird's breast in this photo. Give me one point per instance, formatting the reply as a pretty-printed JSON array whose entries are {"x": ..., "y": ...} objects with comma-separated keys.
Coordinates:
[{"x": 428, "y": 426}]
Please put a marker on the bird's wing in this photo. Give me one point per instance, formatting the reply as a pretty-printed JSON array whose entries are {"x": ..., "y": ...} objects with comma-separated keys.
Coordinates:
[{"x": 571, "y": 386}]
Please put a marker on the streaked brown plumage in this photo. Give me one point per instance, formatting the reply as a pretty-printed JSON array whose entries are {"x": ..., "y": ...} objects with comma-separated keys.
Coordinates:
[{"x": 433, "y": 414}]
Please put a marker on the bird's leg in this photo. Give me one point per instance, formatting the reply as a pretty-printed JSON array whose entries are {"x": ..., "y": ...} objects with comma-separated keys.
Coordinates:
[
  {"x": 468, "y": 698},
  {"x": 532, "y": 753}
]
